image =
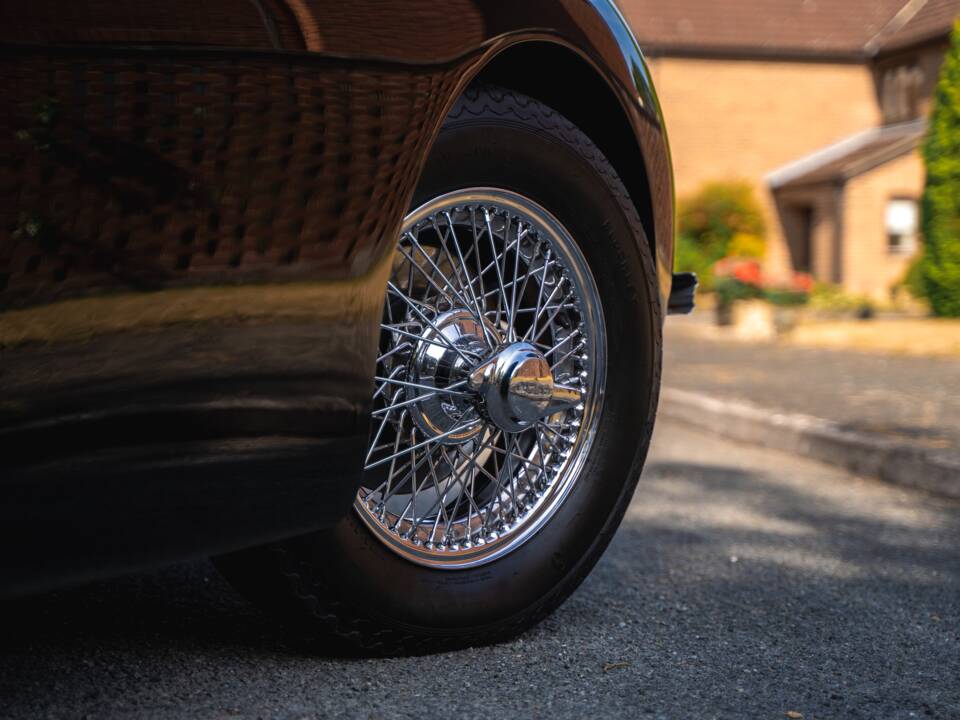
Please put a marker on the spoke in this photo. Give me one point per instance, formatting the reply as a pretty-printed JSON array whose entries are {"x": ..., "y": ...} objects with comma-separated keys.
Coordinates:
[
  {"x": 383, "y": 424},
  {"x": 396, "y": 454},
  {"x": 419, "y": 303},
  {"x": 430, "y": 279},
  {"x": 526, "y": 280},
  {"x": 448, "y": 390},
  {"x": 519, "y": 457},
  {"x": 547, "y": 323},
  {"x": 511, "y": 332},
  {"x": 422, "y": 443},
  {"x": 436, "y": 268},
  {"x": 458, "y": 480},
  {"x": 565, "y": 306},
  {"x": 468, "y": 494},
  {"x": 413, "y": 467},
  {"x": 440, "y": 496},
  {"x": 553, "y": 431},
  {"x": 556, "y": 347},
  {"x": 412, "y": 502},
  {"x": 531, "y": 272},
  {"x": 472, "y": 459},
  {"x": 383, "y": 384},
  {"x": 476, "y": 253},
  {"x": 491, "y": 341},
  {"x": 394, "y": 351},
  {"x": 454, "y": 265},
  {"x": 543, "y": 456},
  {"x": 579, "y": 346},
  {"x": 502, "y": 297},
  {"x": 543, "y": 283},
  {"x": 495, "y": 499},
  {"x": 419, "y": 338},
  {"x": 395, "y": 405},
  {"x": 429, "y": 322}
]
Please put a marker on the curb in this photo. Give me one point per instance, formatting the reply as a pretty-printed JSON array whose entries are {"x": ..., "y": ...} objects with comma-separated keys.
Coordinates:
[{"x": 860, "y": 453}]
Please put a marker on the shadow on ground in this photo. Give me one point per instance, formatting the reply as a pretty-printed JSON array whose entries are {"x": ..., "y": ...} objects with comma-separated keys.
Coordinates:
[{"x": 742, "y": 588}]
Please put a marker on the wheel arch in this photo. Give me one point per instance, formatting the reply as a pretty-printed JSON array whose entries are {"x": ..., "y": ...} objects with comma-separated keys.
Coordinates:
[{"x": 564, "y": 80}]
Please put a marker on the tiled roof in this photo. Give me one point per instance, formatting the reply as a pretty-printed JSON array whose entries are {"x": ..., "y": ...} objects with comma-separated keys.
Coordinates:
[
  {"x": 850, "y": 157},
  {"x": 781, "y": 27},
  {"x": 929, "y": 21}
]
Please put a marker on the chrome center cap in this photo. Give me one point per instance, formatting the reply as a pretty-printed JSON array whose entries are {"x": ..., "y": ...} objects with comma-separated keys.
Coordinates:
[{"x": 517, "y": 387}]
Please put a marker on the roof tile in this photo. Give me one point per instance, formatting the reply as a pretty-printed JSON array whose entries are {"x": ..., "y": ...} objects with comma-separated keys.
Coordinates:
[{"x": 814, "y": 27}]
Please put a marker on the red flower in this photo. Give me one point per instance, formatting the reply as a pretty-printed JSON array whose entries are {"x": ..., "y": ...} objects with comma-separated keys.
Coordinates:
[
  {"x": 742, "y": 270},
  {"x": 748, "y": 272},
  {"x": 803, "y": 282}
]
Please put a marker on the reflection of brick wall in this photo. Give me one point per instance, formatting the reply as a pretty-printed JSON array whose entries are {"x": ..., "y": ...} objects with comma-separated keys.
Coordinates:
[
  {"x": 159, "y": 170},
  {"x": 411, "y": 30},
  {"x": 237, "y": 24},
  {"x": 414, "y": 30}
]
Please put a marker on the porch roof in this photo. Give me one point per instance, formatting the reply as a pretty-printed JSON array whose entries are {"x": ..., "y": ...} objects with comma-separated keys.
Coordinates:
[{"x": 850, "y": 157}]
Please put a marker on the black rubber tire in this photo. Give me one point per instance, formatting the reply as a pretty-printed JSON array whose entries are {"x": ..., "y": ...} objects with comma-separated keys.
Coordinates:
[{"x": 342, "y": 583}]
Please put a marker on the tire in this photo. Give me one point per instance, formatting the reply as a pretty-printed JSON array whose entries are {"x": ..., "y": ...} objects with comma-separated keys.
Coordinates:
[{"x": 343, "y": 585}]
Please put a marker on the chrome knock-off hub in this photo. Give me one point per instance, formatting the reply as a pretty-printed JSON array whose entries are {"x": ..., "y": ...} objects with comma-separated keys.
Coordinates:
[
  {"x": 512, "y": 386},
  {"x": 517, "y": 388}
]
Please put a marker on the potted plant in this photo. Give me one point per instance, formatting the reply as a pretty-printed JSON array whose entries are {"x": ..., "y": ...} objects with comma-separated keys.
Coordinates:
[
  {"x": 788, "y": 300},
  {"x": 735, "y": 279}
]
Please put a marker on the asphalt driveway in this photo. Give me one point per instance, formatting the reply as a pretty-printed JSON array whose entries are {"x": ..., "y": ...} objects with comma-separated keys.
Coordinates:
[{"x": 743, "y": 583}]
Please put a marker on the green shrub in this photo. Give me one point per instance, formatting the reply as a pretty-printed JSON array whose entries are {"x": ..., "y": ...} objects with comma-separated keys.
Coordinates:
[
  {"x": 833, "y": 300},
  {"x": 913, "y": 279},
  {"x": 728, "y": 289},
  {"x": 941, "y": 198},
  {"x": 690, "y": 258},
  {"x": 786, "y": 298},
  {"x": 721, "y": 219}
]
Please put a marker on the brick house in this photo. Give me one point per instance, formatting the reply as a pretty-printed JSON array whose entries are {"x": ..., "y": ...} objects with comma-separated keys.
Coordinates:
[{"x": 820, "y": 104}]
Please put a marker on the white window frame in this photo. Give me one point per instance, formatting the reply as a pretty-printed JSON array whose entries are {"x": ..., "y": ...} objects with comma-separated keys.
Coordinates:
[{"x": 902, "y": 225}]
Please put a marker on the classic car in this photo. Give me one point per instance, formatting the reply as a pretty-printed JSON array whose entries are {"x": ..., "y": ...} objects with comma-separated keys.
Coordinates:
[{"x": 364, "y": 300}]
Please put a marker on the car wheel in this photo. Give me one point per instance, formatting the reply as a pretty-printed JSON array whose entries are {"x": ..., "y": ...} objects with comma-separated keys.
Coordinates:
[{"x": 514, "y": 400}]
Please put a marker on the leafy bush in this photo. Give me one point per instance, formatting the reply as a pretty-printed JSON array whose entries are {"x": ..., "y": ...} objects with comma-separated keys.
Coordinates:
[
  {"x": 690, "y": 258},
  {"x": 728, "y": 289},
  {"x": 721, "y": 219},
  {"x": 786, "y": 298},
  {"x": 941, "y": 198},
  {"x": 744, "y": 245},
  {"x": 832, "y": 299},
  {"x": 913, "y": 279}
]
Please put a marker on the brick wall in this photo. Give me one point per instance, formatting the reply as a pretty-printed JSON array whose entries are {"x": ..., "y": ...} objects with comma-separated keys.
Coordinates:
[
  {"x": 741, "y": 119},
  {"x": 868, "y": 267}
]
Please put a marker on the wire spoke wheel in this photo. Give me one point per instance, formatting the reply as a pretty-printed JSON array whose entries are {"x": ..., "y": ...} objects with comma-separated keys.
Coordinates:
[
  {"x": 489, "y": 380},
  {"x": 508, "y": 430}
]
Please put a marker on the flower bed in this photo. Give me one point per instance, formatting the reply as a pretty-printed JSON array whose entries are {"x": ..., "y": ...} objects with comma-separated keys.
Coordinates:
[{"x": 773, "y": 308}]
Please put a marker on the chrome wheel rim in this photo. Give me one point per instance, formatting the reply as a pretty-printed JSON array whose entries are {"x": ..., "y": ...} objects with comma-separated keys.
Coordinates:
[{"x": 489, "y": 380}]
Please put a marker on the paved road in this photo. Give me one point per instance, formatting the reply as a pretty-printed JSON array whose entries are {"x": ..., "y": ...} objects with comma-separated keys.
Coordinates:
[
  {"x": 744, "y": 583},
  {"x": 906, "y": 398}
]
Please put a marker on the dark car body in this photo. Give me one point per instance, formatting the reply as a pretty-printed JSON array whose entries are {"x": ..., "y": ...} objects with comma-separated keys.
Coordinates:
[{"x": 198, "y": 205}]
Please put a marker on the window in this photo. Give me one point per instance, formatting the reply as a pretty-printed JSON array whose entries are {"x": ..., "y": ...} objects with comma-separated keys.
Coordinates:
[
  {"x": 902, "y": 93},
  {"x": 903, "y": 218}
]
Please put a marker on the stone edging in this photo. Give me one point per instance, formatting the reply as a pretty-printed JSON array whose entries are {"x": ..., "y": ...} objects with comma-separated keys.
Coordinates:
[{"x": 861, "y": 453}]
